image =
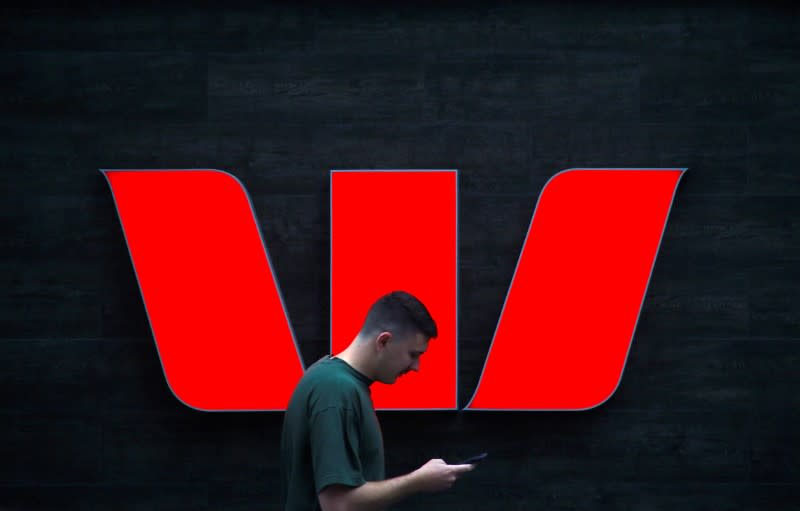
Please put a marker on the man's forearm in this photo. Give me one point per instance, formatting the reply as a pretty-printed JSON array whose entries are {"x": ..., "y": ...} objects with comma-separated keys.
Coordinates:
[{"x": 376, "y": 495}]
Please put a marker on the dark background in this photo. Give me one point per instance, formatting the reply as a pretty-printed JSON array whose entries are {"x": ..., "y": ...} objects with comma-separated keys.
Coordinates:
[{"x": 706, "y": 416}]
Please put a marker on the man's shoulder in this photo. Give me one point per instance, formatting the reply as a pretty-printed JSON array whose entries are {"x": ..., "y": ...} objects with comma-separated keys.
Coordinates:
[
  {"x": 326, "y": 377},
  {"x": 324, "y": 369}
]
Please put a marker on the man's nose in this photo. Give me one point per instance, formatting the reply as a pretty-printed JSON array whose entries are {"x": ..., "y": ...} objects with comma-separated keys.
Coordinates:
[{"x": 415, "y": 366}]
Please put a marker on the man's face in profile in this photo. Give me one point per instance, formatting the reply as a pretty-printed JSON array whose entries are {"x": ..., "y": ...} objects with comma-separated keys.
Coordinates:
[{"x": 401, "y": 355}]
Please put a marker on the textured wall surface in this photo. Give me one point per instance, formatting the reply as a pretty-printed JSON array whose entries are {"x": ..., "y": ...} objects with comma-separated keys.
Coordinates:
[{"x": 706, "y": 416}]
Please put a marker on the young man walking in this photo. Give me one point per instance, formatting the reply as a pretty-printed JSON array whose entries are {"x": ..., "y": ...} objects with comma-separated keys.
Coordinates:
[{"x": 331, "y": 445}]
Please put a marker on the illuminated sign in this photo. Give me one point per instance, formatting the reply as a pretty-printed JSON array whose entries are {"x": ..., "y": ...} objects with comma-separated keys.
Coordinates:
[{"x": 225, "y": 341}]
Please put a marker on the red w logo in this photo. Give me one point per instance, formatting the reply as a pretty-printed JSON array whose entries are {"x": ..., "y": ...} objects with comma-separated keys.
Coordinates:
[{"x": 562, "y": 339}]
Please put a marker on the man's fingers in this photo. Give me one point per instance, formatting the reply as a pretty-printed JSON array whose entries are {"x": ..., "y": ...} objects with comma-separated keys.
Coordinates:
[{"x": 460, "y": 469}]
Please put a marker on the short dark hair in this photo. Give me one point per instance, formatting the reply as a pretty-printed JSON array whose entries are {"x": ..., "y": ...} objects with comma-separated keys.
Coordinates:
[{"x": 399, "y": 313}]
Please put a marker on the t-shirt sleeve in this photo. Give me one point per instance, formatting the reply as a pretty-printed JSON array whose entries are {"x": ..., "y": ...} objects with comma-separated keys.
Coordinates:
[{"x": 334, "y": 437}]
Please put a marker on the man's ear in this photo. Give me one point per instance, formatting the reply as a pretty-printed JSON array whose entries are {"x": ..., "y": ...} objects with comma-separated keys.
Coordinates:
[{"x": 382, "y": 340}]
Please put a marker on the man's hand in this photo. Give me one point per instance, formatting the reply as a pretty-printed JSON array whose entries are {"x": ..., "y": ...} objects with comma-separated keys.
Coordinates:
[{"x": 436, "y": 475}]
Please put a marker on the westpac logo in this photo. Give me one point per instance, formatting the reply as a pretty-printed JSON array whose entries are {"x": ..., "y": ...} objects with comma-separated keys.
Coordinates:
[{"x": 562, "y": 339}]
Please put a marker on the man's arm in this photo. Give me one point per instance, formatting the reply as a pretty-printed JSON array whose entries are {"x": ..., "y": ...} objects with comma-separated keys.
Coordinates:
[{"x": 435, "y": 475}]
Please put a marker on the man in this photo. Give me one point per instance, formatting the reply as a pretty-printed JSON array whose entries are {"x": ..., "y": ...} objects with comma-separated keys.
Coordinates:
[{"x": 331, "y": 445}]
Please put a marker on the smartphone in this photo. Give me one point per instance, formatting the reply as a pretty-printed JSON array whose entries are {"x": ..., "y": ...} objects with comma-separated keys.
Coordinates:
[{"x": 475, "y": 459}]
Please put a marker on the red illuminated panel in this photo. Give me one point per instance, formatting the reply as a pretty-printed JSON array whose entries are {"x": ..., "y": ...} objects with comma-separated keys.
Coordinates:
[
  {"x": 211, "y": 297},
  {"x": 396, "y": 230},
  {"x": 570, "y": 313}
]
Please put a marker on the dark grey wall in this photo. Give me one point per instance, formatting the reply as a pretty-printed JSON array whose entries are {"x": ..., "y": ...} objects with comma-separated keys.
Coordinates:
[{"x": 706, "y": 416}]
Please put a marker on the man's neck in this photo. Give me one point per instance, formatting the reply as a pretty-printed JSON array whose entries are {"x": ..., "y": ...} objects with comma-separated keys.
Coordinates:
[{"x": 355, "y": 358}]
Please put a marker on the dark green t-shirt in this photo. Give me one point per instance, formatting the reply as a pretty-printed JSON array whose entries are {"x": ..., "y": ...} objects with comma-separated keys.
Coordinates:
[{"x": 330, "y": 434}]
